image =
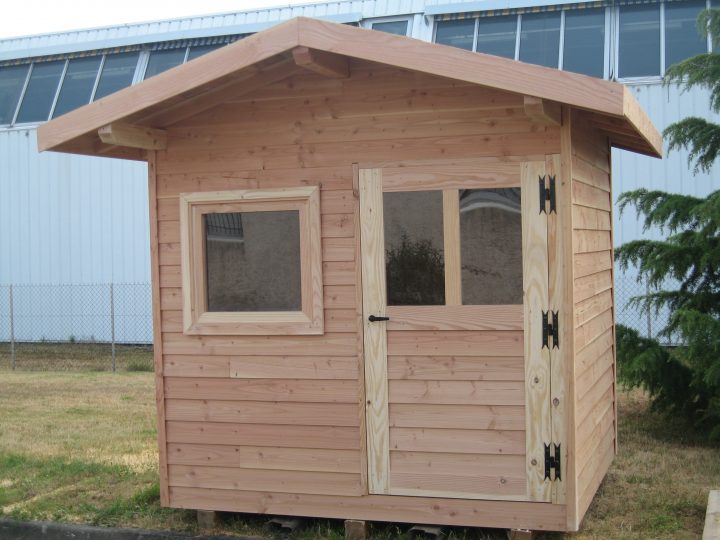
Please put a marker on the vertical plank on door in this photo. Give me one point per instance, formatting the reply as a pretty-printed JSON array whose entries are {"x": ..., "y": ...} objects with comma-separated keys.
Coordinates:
[
  {"x": 451, "y": 233},
  {"x": 537, "y": 357},
  {"x": 375, "y": 334},
  {"x": 559, "y": 293}
]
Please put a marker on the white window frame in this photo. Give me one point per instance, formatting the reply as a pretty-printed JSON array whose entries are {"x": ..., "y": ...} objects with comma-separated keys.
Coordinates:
[{"x": 368, "y": 23}]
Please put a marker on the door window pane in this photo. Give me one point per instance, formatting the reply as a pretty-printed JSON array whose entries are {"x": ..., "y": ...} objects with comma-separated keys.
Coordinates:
[
  {"x": 40, "y": 92},
  {"x": 200, "y": 50},
  {"x": 253, "y": 261},
  {"x": 639, "y": 53},
  {"x": 77, "y": 84},
  {"x": 414, "y": 257},
  {"x": 392, "y": 27},
  {"x": 496, "y": 35},
  {"x": 584, "y": 47},
  {"x": 491, "y": 246},
  {"x": 540, "y": 38},
  {"x": 682, "y": 39},
  {"x": 117, "y": 73},
  {"x": 12, "y": 79},
  {"x": 456, "y": 33},
  {"x": 163, "y": 60}
]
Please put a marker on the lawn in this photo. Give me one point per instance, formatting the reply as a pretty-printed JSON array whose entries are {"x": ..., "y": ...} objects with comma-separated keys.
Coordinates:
[{"x": 80, "y": 447}]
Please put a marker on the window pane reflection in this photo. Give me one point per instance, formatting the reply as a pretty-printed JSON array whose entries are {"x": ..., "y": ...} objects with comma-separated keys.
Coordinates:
[
  {"x": 414, "y": 255},
  {"x": 584, "y": 46},
  {"x": 639, "y": 41},
  {"x": 491, "y": 246},
  {"x": 496, "y": 35}
]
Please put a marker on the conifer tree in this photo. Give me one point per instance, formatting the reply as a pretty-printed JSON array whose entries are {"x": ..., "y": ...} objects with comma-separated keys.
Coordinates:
[{"x": 683, "y": 380}]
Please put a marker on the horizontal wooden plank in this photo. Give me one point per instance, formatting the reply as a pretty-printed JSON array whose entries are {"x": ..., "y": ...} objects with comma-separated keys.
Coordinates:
[
  {"x": 504, "y": 417},
  {"x": 231, "y": 478},
  {"x": 592, "y": 307},
  {"x": 457, "y": 485},
  {"x": 585, "y": 241},
  {"x": 457, "y": 392},
  {"x": 590, "y": 174},
  {"x": 306, "y": 391},
  {"x": 461, "y": 441},
  {"x": 587, "y": 286},
  {"x": 170, "y": 276},
  {"x": 591, "y": 218},
  {"x": 261, "y": 367},
  {"x": 486, "y": 173},
  {"x": 587, "y": 379},
  {"x": 259, "y": 412},
  {"x": 590, "y": 477},
  {"x": 593, "y": 431},
  {"x": 336, "y": 320},
  {"x": 326, "y": 345},
  {"x": 339, "y": 272},
  {"x": 587, "y": 357},
  {"x": 590, "y": 263},
  {"x": 601, "y": 391},
  {"x": 328, "y": 178},
  {"x": 457, "y": 464},
  {"x": 463, "y": 368},
  {"x": 289, "y": 436},
  {"x": 265, "y": 457},
  {"x": 592, "y": 329},
  {"x": 392, "y": 508},
  {"x": 455, "y": 343},
  {"x": 334, "y": 154},
  {"x": 338, "y": 249},
  {"x": 339, "y": 297},
  {"x": 590, "y": 196},
  {"x": 500, "y": 317}
]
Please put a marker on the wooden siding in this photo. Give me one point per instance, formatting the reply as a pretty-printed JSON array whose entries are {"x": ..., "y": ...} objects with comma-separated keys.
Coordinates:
[
  {"x": 256, "y": 419},
  {"x": 593, "y": 313}
]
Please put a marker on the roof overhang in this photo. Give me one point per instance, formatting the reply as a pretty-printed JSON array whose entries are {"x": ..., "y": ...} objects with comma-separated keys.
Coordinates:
[{"x": 274, "y": 53}]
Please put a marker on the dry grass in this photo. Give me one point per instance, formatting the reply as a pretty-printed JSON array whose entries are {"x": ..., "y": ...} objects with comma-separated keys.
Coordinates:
[
  {"x": 80, "y": 447},
  {"x": 76, "y": 356}
]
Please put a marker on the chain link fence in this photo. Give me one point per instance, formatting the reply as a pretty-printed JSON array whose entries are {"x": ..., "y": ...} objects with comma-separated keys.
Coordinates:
[
  {"x": 646, "y": 324},
  {"x": 99, "y": 327}
]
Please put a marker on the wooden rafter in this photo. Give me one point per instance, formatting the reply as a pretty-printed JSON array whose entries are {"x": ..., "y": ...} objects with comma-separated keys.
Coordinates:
[
  {"x": 542, "y": 111},
  {"x": 122, "y": 134},
  {"x": 321, "y": 62}
]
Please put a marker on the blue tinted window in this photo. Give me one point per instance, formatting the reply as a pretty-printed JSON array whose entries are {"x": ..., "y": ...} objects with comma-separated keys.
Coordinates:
[
  {"x": 117, "y": 73},
  {"x": 163, "y": 60},
  {"x": 12, "y": 80},
  {"x": 202, "y": 49},
  {"x": 40, "y": 92},
  {"x": 639, "y": 54},
  {"x": 78, "y": 84},
  {"x": 540, "y": 38},
  {"x": 392, "y": 27},
  {"x": 496, "y": 35},
  {"x": 456, "y": 33},
  {"x": 584, "y": 46},
  {"x": 682, "y": 39}
]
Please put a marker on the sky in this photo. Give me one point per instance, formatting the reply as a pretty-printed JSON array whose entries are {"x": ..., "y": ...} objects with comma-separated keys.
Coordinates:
[{"x": 26, "y": 17}]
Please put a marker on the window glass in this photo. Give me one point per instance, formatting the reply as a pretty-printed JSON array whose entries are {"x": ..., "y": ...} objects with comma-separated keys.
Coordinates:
[
  {"x": 682, "y": 39},
  {"x": 392, "y": 27},
  {"x": 584, "y": 46},
  {"x": 40, "y": 92},
  {"x": 414, "y": 257},
  {"x": 456, "y": 33},
  {"x": 253, "y": 261},
  {"x": 163, "y": 60},
  {"x": 639, "y": 53},
  {"x": 496, "y": 35},
  {"x": 202, "y": 49},
  {"x": 117, "y": 73},
  {"x": 12, "y": 80},
  {"x": 77, "y": 84},
  {"x": 540, "y": 38},
  {"x": 491, "y": 246}
]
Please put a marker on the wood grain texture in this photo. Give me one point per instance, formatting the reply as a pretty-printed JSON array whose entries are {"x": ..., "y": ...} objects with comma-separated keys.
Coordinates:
[
  {"x": 455, "y": 317},
  {"x": 451, "y": 253},
  {"x": 463, "y": 441},
  {"x": 455, "y": 343},
  {"x": 374, "y": 301},
  {"x": 431, "y": 510},
  {"x": 451, "y": 368},
  {"x": 503, "y": 417},
  {"x": 278, "y": 390},
  {"x": 537, "y": 358}
]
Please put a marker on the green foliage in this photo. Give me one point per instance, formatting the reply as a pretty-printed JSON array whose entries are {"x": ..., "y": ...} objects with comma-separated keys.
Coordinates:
[
  {"x": 415, "y": 274},
  {"x": 685, "y": 380}
]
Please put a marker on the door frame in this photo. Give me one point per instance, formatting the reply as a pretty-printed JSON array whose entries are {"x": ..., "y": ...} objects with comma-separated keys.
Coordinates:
[{"x": 439, "y": 175}]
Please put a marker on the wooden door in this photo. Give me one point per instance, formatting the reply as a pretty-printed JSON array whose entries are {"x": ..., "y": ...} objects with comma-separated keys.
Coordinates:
[{"x": 455, "y": 256}]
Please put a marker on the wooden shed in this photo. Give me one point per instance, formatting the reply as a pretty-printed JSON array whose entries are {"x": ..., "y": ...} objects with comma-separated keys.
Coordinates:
[{"x": 382, "y": 276}]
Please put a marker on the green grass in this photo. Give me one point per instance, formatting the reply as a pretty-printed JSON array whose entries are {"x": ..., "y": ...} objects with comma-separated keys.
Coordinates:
[
  {"x": 81, "y": 447},
  {"x": 76, "y": 356}
]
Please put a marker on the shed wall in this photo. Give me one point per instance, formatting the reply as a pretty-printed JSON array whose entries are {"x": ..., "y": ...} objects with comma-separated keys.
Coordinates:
[
  {"x": 593, "y": 311},
  {"x": 282, "y": 416}
]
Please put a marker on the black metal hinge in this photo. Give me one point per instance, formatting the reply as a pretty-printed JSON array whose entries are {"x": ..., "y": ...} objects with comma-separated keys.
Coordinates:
[
  {"x": 550, "y": 328},
  {"x": 552, "y": 461},
  {"x": 547, "y": 193}
]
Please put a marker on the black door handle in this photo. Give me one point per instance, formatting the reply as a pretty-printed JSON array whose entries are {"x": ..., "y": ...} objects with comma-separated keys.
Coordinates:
[{"x": 373, "y": 318}]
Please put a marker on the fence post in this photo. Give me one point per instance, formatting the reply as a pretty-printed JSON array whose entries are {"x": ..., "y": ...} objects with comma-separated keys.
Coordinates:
[
  {"x": 12, "y": 329},
  {"x": 112, "y": 325}
]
